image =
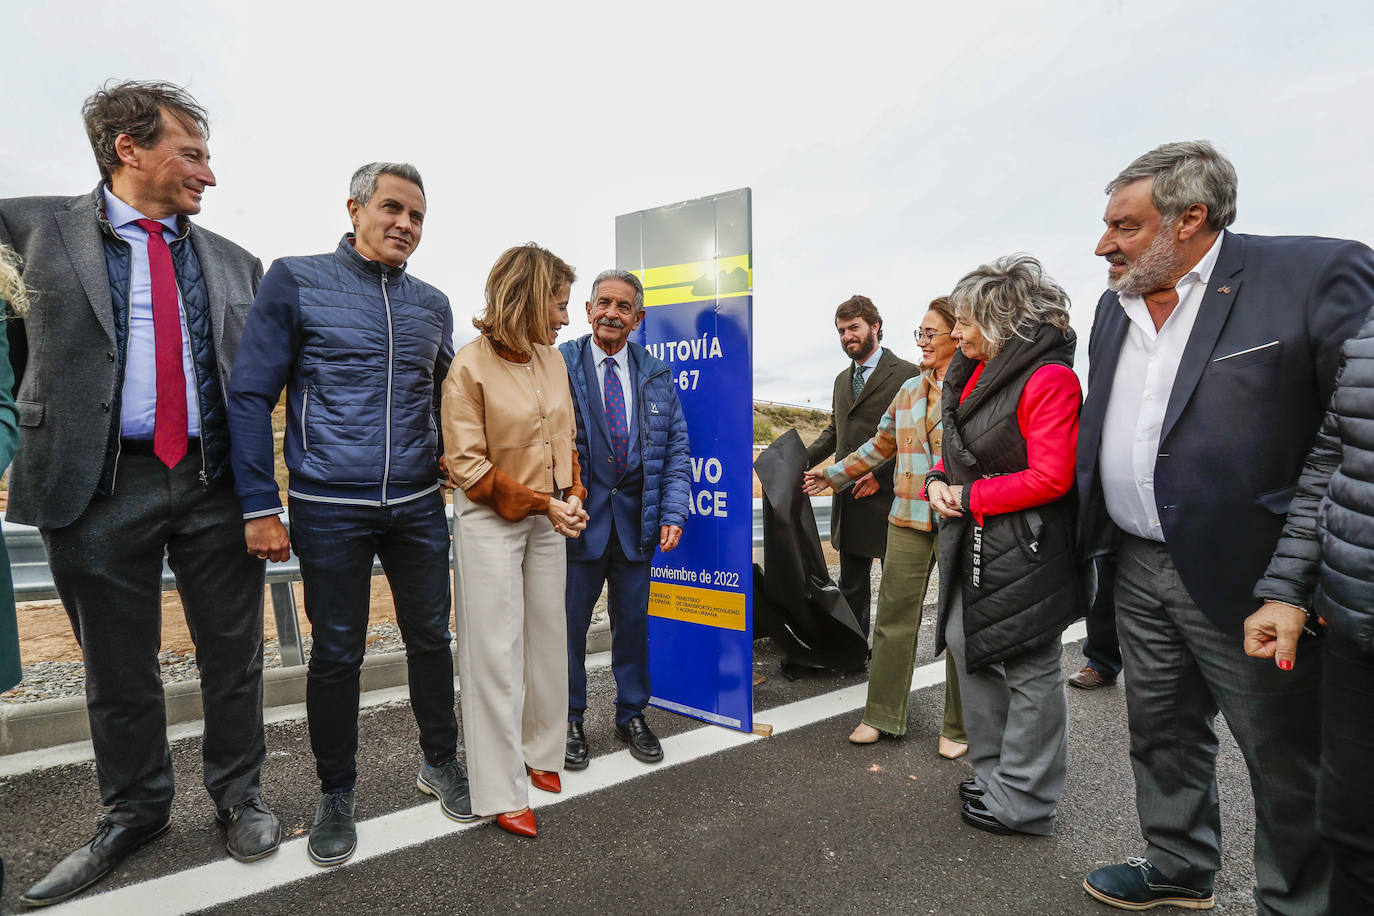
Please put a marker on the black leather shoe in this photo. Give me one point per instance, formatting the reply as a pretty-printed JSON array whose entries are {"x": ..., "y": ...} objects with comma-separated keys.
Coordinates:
[
  {"x": 251, "y": 830},
  {"x": 644, "y": 745},
  {"x": 334, "y": 835},
  {"x": 112, "y": 844},
  {"x": 975, "y": 815},
  {"x": 969, "y": 791},
  {"x": 575, "y": 752},
  {"x": 1138, "y": 885}
]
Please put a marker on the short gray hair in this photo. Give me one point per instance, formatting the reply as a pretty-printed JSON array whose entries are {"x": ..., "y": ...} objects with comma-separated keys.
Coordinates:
[
  {"x": 1010, "y": 297},
  {"x": 363, "y": 184},
  {"x": 1187, "y": 173},
  {"x": 623, "y": 276}
]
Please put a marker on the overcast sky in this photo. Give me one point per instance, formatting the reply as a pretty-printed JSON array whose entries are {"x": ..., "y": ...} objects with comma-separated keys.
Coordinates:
[{"x": 890, "y": 147}]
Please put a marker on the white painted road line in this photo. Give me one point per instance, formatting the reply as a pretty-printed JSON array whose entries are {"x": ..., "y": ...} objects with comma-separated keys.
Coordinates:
[{"x": 227, "y": 880}]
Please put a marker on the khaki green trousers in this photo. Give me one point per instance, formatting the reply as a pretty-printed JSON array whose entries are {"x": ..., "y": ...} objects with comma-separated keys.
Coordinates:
[{"x": 906, "y": 570}]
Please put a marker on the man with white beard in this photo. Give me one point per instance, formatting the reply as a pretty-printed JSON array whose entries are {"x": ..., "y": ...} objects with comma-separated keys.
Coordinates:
[{"x": 1211, "y": 361}]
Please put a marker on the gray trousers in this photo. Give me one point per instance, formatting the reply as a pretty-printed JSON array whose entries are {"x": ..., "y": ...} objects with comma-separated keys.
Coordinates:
[
  {"x": 107, "y": 566},
  {"x": 1180, "y": 670},
  {"x": 1017, "y": 719}
]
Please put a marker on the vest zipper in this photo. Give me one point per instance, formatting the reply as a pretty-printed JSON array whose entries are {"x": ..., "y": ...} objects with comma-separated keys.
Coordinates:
[
  {"x": 390, "y": 357},
  {"x": 119, "y": 391},
  {"x": 204, "y": 474}
]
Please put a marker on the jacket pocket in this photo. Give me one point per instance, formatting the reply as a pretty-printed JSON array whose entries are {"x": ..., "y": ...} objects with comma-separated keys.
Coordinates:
[
  {"x": 305, "y": 415},
  {"x": 30, "y": 412},
  {"x": 1278, "y": 501},
  {"x": 1251, "y": 356},
  {"x": 1030, "y": 531}
]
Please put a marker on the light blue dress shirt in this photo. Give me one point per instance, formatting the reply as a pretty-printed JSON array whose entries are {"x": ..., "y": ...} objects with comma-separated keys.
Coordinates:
[
  {"x": 622, "y": 372},
  {"x": 138, "y": 400}
]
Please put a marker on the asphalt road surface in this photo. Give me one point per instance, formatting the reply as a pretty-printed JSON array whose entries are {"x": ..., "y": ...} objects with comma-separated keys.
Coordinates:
[{"x": 802, "y": 822}]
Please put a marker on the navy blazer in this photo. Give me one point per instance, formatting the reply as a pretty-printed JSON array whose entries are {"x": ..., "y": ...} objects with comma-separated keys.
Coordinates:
[{"x": 1254, "y": 381}]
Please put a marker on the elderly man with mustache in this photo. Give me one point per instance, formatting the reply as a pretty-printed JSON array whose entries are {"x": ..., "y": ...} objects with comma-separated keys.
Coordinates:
[{"x": 636, "y": 465}]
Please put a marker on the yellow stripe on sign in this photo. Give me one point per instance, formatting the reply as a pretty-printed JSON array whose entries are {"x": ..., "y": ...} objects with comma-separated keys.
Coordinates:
[
  {"x": 721, "y": 278},
  {"x": 706, "y": 606}
]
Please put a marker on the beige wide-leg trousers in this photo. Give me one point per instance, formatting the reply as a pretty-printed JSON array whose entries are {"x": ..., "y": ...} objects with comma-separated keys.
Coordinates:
[{"x": 508, "y": 582}]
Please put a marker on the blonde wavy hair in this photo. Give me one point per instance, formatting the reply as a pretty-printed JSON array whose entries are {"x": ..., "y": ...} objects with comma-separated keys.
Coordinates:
[
  {"x": 520, "y": 290},
  {"x": 12, "y": 288}
]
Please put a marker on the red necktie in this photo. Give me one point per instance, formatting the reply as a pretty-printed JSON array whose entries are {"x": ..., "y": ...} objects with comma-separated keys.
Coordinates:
[{"x": 169, "y": 423}]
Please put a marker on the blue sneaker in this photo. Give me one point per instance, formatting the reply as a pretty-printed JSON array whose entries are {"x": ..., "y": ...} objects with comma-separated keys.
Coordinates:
[{"x": 1138, "y": 885}]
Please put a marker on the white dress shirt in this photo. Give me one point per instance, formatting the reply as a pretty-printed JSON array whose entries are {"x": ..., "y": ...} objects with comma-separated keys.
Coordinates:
[
  {"x": 1140, "y": 393},
  {"x": 622, "y": 372}
]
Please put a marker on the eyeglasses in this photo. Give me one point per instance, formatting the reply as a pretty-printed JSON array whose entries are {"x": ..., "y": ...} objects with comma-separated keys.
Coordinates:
[{"x": 922, "y": 334}]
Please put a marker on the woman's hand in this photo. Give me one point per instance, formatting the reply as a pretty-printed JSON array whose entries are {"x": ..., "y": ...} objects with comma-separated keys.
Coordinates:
[
  {"x": 568, "y": 518},
  {"x": 814, "y": 483},
  {"x": 945, "y": 499}
]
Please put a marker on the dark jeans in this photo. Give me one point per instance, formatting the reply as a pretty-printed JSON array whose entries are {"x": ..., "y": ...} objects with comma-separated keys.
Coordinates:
[
  {"x": 107, "y": 566},
  {"x": 1345, "y": 804},
  {"x": 336, "y": 544},
  {"x": 1102, "y": 648},
  {"x": 627, "y": 584},
  {"x": 856, "y": 584}
]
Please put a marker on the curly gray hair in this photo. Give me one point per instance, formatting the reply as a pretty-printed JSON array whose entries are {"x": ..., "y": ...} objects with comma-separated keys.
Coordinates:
[
  {"x": 1187, "y": 173},
  {"x": 1008, "y": 298}
]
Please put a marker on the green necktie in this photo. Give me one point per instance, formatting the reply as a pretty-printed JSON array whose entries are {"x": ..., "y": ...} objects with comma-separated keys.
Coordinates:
[{"x": 858, "y": 380}]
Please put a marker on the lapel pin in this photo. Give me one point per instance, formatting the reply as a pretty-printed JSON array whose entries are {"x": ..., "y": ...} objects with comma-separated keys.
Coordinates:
[{"x": 1224, "y": 289}]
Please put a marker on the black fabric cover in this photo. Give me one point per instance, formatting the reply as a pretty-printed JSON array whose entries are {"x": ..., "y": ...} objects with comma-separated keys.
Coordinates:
[{"x": 795, "y": 600}]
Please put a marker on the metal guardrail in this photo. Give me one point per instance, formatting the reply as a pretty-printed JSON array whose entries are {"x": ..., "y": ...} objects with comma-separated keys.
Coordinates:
[{"x": 33, "y": 579}]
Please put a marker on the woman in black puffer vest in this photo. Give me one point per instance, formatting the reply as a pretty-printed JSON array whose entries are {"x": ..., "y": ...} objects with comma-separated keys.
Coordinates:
[
  {"x": 1009, "y": 583},
  {"x": 1324, "y": 563}
]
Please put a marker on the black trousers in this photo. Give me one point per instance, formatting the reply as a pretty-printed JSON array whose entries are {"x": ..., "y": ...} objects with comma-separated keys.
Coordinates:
[
  {"x": 107, "y": 566},
  {"x": 1345, "y": 803},
  {"x": 856, "y": 584},
  {"x": 336, "y": 544},
  {"x": 1102, "y": 648}
]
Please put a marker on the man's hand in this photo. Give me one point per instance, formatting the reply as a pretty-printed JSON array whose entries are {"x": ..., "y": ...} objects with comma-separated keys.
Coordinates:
[
  {"x": 444, "y": 480},
  {"x": 945, "y": 499},
  {"x": 814, "y": 483},
  {"x": 1272, "y": 632},
  {"x": 267, "y": 538},
  {"x": 866, "y": 485},
  {"x": 668, "y": 536}
]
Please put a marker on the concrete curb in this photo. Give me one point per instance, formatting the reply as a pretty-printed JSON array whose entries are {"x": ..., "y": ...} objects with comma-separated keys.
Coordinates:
[{"x": 48, "y": 723}]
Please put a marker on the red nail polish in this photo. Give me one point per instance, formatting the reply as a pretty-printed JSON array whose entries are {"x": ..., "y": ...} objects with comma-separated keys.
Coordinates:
[{"x": 1285, "y": 664}]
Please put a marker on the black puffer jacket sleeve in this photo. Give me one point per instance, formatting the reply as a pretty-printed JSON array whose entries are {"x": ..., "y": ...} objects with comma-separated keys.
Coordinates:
[{"x": 1292, "y": 573}]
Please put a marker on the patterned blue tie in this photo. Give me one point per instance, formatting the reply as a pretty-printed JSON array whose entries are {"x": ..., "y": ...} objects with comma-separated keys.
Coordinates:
[{"x": 615, "y": 417}]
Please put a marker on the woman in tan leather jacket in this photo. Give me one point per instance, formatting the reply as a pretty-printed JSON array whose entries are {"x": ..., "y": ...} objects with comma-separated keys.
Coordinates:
[{"x": 509, "y": 432}]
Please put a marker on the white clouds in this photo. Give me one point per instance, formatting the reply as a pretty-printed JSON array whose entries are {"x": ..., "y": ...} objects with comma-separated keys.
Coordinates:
[{"x": 890, "y": 147}]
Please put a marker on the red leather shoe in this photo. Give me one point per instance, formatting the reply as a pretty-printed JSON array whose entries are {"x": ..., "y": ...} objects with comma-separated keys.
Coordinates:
[
  {"x": 520, "y": 823},
  {"x": 548, "y": 782}
]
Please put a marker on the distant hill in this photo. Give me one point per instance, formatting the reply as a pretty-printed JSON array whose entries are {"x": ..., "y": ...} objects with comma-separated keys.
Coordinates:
[{"x": 772, "y": 420}]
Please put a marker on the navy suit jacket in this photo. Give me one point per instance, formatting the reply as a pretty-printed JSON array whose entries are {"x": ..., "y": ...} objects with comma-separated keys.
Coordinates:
[
  {"x": 610, "y": 494},
  {"x": 1254, "y": 381}
]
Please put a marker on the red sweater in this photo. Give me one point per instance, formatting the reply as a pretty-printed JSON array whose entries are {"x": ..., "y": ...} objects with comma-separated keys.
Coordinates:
[{"x": 1048, "y": 417}]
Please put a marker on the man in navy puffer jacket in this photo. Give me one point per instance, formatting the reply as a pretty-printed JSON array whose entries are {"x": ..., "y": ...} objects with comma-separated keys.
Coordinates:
[
  {"x": 362, "y": 349},
  {"x": 636, "y": 465}
]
